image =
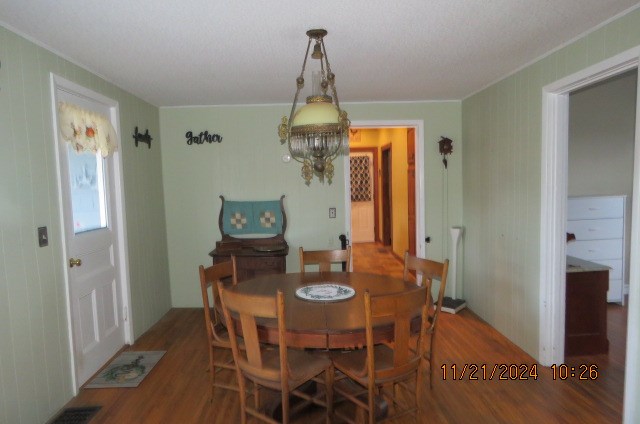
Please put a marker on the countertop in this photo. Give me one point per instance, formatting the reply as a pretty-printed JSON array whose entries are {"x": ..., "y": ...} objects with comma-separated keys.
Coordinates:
[{"x": 580, "y": 265}]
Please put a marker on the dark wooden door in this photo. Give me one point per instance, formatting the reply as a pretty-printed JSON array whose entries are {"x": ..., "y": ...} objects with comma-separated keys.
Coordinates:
[
  {"x": 411, "y": 187},
  {"x": 386, "y": 195}
]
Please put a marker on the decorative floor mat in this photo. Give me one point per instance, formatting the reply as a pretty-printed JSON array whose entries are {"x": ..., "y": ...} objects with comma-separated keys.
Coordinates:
[{"x": 127, "y": 370}]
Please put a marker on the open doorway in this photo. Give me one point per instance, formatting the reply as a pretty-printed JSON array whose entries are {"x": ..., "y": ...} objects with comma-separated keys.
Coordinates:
[
  {"x": 554, "y": 215},
  {"x": 392, "y": 191},
  {"x": 600, "y": 171},
  {"x": 600, "y": 195}
]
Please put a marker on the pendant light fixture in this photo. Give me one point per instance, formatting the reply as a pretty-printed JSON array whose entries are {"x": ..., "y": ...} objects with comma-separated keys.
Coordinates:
[{"x": 316, "y": 133}]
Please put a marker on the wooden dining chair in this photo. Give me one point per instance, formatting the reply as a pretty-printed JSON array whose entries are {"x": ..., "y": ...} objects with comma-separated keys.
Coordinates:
[
  {"x": 380, "y": 370},
  {"x": 280, "y": 369},
  {"x": 429, "y": 271},
  {"x": 217, "y": 334},
  {"x": 325, "y": 258}
]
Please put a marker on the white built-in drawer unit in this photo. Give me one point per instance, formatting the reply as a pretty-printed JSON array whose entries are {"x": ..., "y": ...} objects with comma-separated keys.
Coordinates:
[{"x": 598, "y": 224}]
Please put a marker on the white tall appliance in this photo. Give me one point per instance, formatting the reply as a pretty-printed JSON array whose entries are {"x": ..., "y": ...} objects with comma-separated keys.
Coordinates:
[{"x": 453, "y": 304}]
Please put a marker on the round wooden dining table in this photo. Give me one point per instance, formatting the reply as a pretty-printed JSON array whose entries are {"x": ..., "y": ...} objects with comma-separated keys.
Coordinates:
[{"x": 325, "y": 324}]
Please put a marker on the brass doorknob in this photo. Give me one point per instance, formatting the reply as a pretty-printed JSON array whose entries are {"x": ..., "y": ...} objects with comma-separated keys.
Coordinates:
[{"x": 75, "y": 262}]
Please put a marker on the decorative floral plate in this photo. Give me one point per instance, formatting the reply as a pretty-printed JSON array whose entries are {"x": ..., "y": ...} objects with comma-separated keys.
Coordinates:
[{"x": 325, "y": 292}]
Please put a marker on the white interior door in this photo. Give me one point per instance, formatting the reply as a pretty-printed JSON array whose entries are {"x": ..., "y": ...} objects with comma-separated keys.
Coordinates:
[
  {"x": 362, "y": 201},
  {"x": 87, "y": 184}
]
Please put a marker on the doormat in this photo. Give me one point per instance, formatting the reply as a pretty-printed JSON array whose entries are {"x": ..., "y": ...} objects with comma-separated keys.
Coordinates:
[
  {"x": 80, "y": 415},
  {"x": 127, "y": 370}
]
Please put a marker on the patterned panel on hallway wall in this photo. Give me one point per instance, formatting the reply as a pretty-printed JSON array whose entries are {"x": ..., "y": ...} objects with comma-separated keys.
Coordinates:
[{"x": 360, "y": 179}]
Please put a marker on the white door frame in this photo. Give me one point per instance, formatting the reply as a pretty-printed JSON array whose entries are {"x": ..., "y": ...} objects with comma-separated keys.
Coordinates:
[
  {"x": 59, "y": 83},
  {"x": 555, "y": 142},
  {"x": 418, "y": 125}
]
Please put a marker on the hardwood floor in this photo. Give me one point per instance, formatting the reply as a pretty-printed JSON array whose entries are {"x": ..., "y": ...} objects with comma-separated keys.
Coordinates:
[{"x": 176, "y": 391}]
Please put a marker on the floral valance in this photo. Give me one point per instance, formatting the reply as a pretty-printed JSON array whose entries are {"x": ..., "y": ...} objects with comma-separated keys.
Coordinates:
[{"x": 87, "y": 131}]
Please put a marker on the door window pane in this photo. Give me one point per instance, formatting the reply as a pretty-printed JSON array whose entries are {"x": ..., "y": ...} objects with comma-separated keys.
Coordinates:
[{"x": 87, "y": 187}]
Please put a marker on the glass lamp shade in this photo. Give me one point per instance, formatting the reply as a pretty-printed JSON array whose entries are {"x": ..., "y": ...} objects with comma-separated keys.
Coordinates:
[
  {"x": 316, "y": 133},
  {"x": 316, "y": 113}
]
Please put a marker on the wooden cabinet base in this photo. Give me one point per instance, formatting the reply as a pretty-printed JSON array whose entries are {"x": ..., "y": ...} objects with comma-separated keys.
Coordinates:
[
  {"x": 586, "y": 313},
  {"x": 252, "y": 264}
]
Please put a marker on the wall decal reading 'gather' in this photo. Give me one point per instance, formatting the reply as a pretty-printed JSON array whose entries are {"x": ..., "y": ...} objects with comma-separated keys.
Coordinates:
[{"x": 203, "y": 137}]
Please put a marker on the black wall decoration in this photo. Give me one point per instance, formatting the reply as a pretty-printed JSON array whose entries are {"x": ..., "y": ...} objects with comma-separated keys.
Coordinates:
[
  {"x": 446, "y": 148},
  {"x": 142, "y": 138},
  {"x": 203, "y": 137}
]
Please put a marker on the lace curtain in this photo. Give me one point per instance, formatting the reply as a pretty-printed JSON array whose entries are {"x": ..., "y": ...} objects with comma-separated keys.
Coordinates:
[
  {"x": 85, "y": 130},
  {"x": 361, "y": 184}
]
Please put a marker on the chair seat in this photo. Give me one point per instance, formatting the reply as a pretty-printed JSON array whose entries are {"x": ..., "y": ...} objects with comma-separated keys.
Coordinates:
[
  {"x": 303, "y": 365},
  {"x": 353, "y": 363},
  {"x": 221, "y": 338}
]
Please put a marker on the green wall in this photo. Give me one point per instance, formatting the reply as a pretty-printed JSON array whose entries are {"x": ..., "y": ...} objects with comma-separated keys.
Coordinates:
[
  {"x": 247, "y": 165},
  {"x": 35, "y": 369},
  {"x": 501, "y": 182}
]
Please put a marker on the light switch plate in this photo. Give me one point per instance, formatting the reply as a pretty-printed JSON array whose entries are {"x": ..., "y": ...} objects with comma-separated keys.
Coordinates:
[{"x": 332, "y": 212}]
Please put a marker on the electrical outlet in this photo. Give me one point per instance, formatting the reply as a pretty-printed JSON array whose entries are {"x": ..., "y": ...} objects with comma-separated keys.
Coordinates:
[
  {"x": 43, "y": 237},
  {"x": 332, "y": 212}
]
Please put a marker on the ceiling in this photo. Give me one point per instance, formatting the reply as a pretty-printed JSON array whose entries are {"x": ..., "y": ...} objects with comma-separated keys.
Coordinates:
[{"x": 204, "y": 52}]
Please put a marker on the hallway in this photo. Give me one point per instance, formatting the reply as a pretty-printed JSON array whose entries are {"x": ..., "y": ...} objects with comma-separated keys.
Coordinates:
[{"x": 376, "y": 258}]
